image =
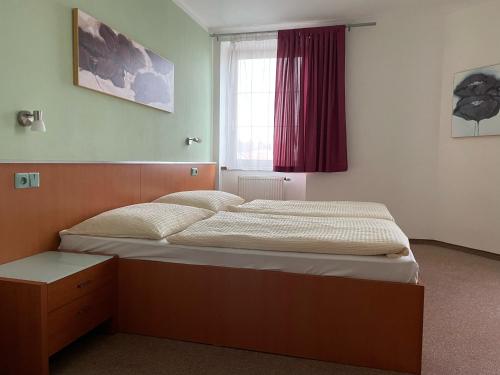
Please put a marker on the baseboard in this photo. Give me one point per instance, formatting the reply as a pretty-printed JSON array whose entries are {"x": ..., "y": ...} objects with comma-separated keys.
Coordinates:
[{"x": 464, "y": 249}]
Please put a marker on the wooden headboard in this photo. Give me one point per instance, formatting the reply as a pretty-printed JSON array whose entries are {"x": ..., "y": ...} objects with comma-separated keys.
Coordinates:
[{"x": 30, "y": 219}]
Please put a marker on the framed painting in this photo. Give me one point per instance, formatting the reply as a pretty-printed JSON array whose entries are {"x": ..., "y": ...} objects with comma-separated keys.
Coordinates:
[
  {"x": 476, "y": 102},
  {"x": 107, "y": 61}
]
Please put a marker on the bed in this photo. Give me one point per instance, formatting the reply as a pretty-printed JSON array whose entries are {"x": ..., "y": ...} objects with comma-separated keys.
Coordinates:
[
  {"x": 363, "y": 322},
  {"x": 354, "y": 309}
]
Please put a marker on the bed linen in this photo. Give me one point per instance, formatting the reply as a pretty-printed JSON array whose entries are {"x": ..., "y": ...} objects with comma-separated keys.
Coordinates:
[
  {"x": 327, "y": 235},
  {"x": 402, "y": 269},
  {"x": 316, "y": 208}
]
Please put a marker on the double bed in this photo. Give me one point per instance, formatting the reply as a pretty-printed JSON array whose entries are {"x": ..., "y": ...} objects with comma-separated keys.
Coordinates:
[{"x": 219, "y": 282}]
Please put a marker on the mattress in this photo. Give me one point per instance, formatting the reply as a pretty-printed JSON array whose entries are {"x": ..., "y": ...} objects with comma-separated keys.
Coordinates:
[{"x": 402, "y": 269}]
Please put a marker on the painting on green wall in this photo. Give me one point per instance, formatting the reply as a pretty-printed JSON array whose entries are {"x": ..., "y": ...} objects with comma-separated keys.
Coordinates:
[{"x": 109, "y": 62}]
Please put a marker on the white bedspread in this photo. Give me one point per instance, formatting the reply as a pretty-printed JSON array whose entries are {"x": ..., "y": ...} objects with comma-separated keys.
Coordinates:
[
  {"x": 316, "y": 208},
  {"x": 327, "y": 235}
]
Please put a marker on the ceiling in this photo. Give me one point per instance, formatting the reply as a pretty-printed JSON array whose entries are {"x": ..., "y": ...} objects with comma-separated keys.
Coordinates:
[{"x": 255, "y": 15}]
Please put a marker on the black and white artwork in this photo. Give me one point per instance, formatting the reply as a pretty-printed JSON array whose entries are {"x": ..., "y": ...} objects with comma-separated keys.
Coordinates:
[
  {"x": 476, "y": 102},
  {"x": 109, "y": 62}
]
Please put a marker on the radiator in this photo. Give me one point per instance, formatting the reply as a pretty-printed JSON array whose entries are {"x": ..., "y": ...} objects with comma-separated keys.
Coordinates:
[{"x": 261, "y": 187}]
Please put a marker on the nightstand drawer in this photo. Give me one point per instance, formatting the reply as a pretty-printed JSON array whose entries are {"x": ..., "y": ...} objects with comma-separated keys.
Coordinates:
[
  {"x": 78, "y": 317},
  {"x": 75, "y": 286}
]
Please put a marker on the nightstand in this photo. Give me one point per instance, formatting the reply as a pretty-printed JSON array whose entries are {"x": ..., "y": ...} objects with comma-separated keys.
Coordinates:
[{"x": 47, "y": 301}]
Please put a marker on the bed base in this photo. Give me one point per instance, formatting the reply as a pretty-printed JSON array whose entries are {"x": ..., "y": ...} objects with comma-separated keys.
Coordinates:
[{"x": 357, "y": 322}]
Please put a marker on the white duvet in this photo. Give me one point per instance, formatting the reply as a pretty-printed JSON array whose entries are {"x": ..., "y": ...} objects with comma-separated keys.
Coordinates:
[
  {"x": 316, "y": 208},
  {"x": 328, "y": 235}
]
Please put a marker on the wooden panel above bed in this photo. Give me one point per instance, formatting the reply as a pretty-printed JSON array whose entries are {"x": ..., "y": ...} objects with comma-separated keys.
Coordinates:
[{"x": 30, "y": 219}]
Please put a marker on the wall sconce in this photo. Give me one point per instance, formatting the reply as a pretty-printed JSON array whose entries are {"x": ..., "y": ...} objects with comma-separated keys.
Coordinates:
[
  {"x": 190, "y": 140},
  {"x": 26, "y": 118}
]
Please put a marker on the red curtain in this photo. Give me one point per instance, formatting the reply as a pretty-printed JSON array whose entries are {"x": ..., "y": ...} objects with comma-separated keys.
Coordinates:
[{"x": 309, "y": 120}]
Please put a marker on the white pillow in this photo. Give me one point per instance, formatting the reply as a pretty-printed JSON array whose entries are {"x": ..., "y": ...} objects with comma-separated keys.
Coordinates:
[
  {"x": 147, "y": 220},
  {"x": 209, "y": 199}
]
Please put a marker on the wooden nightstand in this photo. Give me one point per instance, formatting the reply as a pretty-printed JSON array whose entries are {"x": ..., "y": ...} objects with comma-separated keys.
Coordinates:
[{"x": 47, "y": 301}]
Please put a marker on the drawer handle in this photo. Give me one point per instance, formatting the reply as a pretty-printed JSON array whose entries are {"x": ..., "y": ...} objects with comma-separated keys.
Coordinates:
[{"x": 84, "y": 284}]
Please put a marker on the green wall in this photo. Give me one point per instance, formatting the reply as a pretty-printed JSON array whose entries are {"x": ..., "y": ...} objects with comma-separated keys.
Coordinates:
[{"x": 83, "y": 125}]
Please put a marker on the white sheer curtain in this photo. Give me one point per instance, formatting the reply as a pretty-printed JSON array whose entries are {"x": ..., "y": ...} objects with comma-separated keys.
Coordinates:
[{"x": 247, "y": 78}]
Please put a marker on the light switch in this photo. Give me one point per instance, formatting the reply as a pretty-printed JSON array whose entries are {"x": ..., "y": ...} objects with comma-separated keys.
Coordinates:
[
  {"x": 22, "y": 180},
  {"x": 34, "y": 179},
  {"x": 194, "y": 171}
]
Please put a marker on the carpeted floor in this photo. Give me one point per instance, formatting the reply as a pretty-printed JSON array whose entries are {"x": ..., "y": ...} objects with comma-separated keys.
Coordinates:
[{"x": 461, "y": 334}]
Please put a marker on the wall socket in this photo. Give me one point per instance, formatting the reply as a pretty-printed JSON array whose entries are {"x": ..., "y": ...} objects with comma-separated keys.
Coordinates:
[
  {"x": 22, "y": 180},
  {"x": 27, "y": 180},
  {"x": 194, "y": 171}
]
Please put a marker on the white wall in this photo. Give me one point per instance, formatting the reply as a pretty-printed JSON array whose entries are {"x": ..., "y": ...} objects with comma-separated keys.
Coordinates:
[
  {"x": 468, "y": 209},
  {"x": 393, "y": 103}
]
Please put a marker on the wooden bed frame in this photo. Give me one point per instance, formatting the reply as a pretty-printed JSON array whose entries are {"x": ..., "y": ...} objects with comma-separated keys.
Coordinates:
[{"x": 359, "y": 322}]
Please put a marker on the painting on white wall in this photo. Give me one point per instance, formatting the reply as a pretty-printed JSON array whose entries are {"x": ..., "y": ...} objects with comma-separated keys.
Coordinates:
[
  {"x": 107, "y": 61},
  {"x": 476, "y": 102}
]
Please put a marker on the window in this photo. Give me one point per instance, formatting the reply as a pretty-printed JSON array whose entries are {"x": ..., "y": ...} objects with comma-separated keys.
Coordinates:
[{"x": 248, "y": 75}]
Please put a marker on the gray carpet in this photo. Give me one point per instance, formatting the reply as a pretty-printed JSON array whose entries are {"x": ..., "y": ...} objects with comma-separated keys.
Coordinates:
[{"x": 461, "y": 334}]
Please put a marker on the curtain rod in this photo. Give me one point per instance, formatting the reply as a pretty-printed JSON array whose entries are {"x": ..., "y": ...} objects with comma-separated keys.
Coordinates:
[{"x": 349, "y": 27}]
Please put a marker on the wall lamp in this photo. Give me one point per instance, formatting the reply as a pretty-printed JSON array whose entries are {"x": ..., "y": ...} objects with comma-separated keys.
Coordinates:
[
  {"x": 190, "y": 140},
  {"x": 26, "y": 118}
]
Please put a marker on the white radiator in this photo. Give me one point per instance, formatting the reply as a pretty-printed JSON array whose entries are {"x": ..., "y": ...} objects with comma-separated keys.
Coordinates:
[{"x": 261, "y": 187}]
